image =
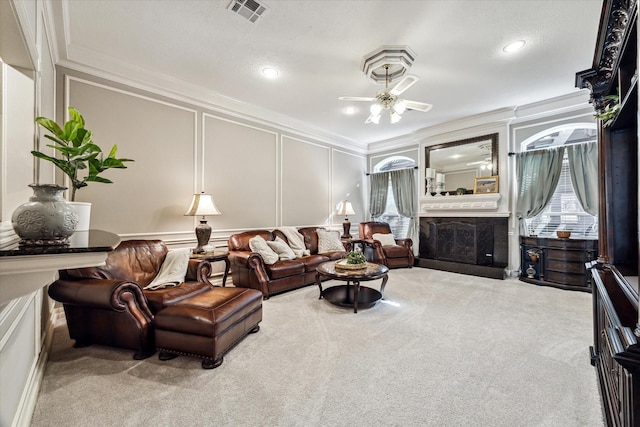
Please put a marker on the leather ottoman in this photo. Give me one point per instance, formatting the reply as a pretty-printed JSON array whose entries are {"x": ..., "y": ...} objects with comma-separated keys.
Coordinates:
[{"x": 208, "y": 325}]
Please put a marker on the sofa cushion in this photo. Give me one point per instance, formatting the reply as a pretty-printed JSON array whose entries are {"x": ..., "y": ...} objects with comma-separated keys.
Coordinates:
[
  {"x": 312, "y": 261},
  {"x": 283, "y": 250},
  {"x": 329, "y": 241},
  {"x": 161, "y": 298},
  {"x": 285, "y": 269},
  {"x": 395, "y": 251},
  {"x": 259, "y": 246}
]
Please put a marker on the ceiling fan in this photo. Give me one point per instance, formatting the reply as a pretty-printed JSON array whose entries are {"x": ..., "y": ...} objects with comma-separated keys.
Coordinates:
[{"x": 389, "y": 100}]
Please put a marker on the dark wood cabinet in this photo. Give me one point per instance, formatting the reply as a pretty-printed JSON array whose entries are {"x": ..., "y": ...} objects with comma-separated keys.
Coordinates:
[
  {"x": 616, "y": 351},
  {"x": 557, "y": 262}
]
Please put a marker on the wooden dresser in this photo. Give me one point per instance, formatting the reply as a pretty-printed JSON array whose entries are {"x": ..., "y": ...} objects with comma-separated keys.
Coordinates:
[{"x": 557, "y": 262}]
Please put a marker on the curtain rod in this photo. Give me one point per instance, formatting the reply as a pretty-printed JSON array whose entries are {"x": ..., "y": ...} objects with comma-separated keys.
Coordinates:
[
  {"x": 511, "y": 153},
  {"x": 415, "y": 167}
]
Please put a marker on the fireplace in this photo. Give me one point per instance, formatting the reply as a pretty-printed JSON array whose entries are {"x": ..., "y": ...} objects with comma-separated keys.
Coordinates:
[{"x": 477, "y": 245}]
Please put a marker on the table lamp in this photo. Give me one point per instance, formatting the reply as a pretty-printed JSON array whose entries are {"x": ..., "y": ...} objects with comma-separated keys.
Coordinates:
[
  {"x": 202, "y": 205},
  {"x": 345, "y": 208}
]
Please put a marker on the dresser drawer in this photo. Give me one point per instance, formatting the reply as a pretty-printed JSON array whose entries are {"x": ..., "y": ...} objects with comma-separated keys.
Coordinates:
[
  {"x": 569, "y": 267},
  {"x": 565, "y": 255},
  {"x": 566, "y": 278}
]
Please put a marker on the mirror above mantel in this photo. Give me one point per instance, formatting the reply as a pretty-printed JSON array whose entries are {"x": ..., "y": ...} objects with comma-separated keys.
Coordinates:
[{"x": 457, "y": 164}]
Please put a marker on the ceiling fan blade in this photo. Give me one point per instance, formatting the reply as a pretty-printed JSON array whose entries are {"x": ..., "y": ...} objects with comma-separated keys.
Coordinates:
[
  {"x": 355, "y": 98},
  {"x": 404, "y": 84},
  {"x": 373, "y": 118},
  {"x": 418, "y": 106}
]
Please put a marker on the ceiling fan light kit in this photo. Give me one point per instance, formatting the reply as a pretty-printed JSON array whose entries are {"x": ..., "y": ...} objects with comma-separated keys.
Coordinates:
[{"x": 394, "y": 61}]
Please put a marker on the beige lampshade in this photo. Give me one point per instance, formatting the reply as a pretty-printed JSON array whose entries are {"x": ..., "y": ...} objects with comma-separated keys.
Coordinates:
[
  {"x": 345, "y": 208},
  {"x": 201, "y": 205}
]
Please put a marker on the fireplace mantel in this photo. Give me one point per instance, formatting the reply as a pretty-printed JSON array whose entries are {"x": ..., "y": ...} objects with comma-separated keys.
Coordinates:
[{"x": 467, "y": 203}]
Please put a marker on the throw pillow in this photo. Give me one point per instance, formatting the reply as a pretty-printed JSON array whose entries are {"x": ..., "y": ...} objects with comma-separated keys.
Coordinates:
[
  {"x": 329, "y": 241},
  {"x": 281, "y": 247},
  {"x": 384, "y": 239},
  {"x": 259, "y": 246}
]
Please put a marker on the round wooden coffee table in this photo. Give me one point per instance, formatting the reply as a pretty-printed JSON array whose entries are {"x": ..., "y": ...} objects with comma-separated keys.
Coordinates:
[{"x": 352, "y": 294}]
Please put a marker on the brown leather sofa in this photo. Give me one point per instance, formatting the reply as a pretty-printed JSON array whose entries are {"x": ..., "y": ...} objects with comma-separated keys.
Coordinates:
[
  {"x": 107, "y": 305},
  {"x": 398, "y": 256},
  {"x": 249, "y": 270}
]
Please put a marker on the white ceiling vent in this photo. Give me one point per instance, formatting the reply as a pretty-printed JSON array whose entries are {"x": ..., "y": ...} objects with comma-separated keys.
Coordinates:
[{"x": 249, "y": 9}]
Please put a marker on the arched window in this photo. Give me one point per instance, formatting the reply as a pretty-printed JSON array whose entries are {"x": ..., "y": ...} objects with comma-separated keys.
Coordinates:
[
  {"x": 564, "y": 211},
  {"x": 399, "y": 224}
]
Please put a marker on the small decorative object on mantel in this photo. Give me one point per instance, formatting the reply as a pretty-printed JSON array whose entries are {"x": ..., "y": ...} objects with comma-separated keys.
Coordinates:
[
  {"x": 355, "y": 260},
  {"x": 78, "y": 152},
  {"x": 460, "y": 191},
  {"x": 46, "y": 219},
  {"x": 563, "y": 234}
]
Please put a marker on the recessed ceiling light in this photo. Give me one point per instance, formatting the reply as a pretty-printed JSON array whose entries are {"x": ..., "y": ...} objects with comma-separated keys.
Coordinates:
[
  {"x": 269, "y": 72},
  {"x": 350, "y": 110},
  {"x": 514, "y": 46}
]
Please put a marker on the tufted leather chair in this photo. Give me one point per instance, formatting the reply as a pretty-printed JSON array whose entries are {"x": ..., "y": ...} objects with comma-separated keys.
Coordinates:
[
  {"x": 397, "y": 256},
  {"x": 107, "y": 305}
]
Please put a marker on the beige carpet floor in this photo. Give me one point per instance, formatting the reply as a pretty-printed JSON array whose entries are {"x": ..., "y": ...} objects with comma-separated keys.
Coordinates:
[{"x": 443, "y": 349}]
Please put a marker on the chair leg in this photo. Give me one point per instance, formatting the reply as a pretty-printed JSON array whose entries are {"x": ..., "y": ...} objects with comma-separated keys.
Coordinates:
[
  {"x": 212, "y": 364},
  {"x": 165, "y": 355}
]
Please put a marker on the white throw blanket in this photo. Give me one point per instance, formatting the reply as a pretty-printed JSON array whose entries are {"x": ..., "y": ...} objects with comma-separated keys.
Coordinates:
[
  {"x": 172, "y": 271},
  {"x": 296, "y": 241}
]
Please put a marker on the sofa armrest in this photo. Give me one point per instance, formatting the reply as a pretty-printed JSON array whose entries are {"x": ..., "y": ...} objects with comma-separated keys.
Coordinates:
[
  {"x": 254, "y": 262},
  {"x": 199, "y": 271},
  {"x": 373, "y": 251},
  {"x": 116, "y": 295},
  {"x": 407, "y": 242}
]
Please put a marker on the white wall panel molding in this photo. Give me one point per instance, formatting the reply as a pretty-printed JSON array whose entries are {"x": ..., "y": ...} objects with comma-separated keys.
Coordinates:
[
  {"x": 305, "y": 181},
  {"x": 68, "y": 79},
  {"x": 247, "y": 188},
  {"x": 349, "y": 181},
  {"x": 162, "y": 137},
  {"x": 209, "y": 100}
]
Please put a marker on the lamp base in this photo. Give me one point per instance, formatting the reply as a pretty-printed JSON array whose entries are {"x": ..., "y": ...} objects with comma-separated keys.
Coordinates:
[
  {"x": 203, "y": 233},
  {"x": 346, "y": 227}
]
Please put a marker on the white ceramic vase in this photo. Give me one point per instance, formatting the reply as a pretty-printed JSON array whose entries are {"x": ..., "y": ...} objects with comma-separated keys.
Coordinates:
[
  {"x": 84, "y": 215},
  {"x": 46, "y": 219}
]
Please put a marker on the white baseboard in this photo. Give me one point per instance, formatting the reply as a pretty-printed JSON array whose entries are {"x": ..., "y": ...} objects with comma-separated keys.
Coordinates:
[{"x": 30, "y": 394}]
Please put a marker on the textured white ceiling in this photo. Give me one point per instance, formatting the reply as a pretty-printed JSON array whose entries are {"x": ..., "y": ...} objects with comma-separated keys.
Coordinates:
[{"x": 201, "y": 49}]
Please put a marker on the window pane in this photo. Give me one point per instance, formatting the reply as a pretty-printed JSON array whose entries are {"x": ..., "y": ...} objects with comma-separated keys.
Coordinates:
[
  {"x": 564, "y": 211},
  {"x": 399, "y": 224}
]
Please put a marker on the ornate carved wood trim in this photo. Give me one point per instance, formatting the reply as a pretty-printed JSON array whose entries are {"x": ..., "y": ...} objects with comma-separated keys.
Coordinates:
[{"x": 601, "y": 77}]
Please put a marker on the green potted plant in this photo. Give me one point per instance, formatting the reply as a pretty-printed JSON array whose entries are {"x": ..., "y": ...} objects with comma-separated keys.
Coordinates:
[
  {"x": 356, "y": 258},
  {"x": 610, "y": 111},
  {"x": 78, "y": 152}
]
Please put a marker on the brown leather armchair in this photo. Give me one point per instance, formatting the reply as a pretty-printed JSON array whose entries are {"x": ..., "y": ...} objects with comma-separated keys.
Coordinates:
[
  {"x": 398, "y": 256},
  {"x": 107, "y": 305}
]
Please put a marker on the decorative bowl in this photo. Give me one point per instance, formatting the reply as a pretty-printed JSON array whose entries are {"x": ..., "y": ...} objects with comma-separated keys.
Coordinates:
[
  {"x": 563, "y": 234},
  {"x": 342, "y": 265}
]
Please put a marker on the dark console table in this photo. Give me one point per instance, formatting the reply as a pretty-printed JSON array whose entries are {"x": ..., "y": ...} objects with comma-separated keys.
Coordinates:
[
  {"x": 24, "y": 269},
  {"x": 557, "y": 262}
]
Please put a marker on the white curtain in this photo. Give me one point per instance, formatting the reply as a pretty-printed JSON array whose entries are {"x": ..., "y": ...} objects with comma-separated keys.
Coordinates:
[
  {"x": 403, "y": 185},
  {"x": 538, "y": 173},
  {"x": 583, "y": 166},
  {"x": 378, "y": 187}
]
